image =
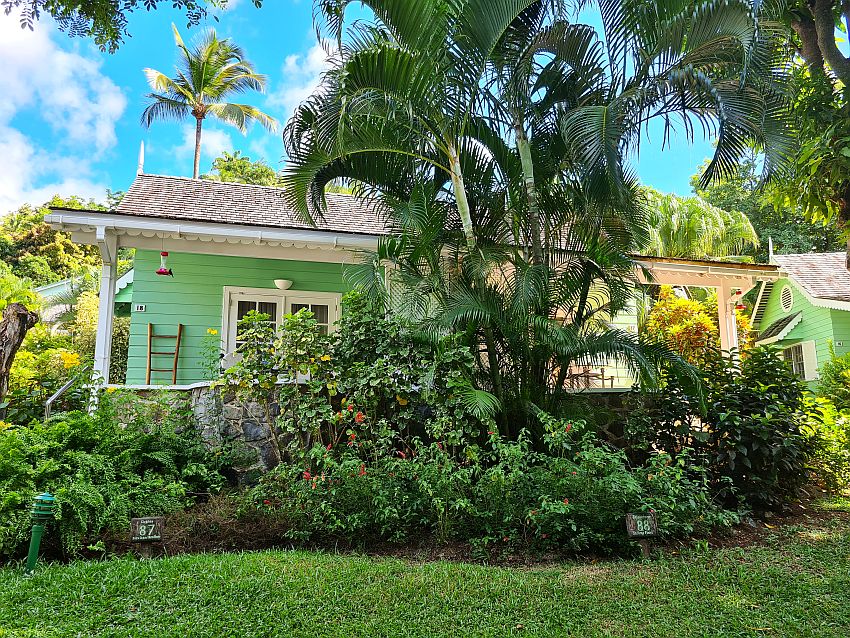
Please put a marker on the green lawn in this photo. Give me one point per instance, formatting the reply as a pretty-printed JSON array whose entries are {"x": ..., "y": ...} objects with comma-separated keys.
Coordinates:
[{"x": 798, "y": 586}]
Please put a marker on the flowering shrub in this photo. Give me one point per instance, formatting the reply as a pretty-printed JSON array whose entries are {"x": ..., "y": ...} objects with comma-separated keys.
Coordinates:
[{"x": 499, "y": 494}]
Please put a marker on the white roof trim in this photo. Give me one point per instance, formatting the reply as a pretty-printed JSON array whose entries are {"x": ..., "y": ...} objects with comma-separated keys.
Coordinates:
[
  {"x": 129, "y": 226},
  {"x": 784, "y": 333},
  {"x": 820, "y": 302}
]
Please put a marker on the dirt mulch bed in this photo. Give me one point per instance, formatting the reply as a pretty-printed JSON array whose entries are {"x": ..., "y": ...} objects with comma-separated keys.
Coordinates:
[{"x": 214, "y": 526}]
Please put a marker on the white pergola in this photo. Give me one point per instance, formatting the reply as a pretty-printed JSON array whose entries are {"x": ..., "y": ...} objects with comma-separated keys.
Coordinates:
[{"x": 731, "y": 279}]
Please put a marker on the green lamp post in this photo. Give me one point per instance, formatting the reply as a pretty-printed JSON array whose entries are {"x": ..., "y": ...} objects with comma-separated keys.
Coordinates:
[{"x": 42, "y": 512}]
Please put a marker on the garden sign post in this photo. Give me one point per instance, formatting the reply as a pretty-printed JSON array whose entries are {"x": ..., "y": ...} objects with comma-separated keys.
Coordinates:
[
  {"x": 642, "y": 527},
  {"x": 146, "y": 531}
]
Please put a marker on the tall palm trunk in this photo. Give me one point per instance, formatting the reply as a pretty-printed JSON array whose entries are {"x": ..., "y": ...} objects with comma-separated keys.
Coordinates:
[
  {"x": 527, "y": 162},
  {"x": 198, "y": 124},
  {"x": 460, "y": 198}
]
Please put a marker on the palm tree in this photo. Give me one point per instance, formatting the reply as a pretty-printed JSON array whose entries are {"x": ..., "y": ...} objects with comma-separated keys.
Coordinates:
[
  {"x": 207, "y": 74},
  {"x": 692, "y": 228},
  {"x": 497, "y": 134}
]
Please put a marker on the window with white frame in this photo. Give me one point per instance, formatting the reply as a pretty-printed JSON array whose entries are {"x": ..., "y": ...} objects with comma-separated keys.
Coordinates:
[
  {"x": 238, "y": 302},
  {"x": 803, "y": 359}
]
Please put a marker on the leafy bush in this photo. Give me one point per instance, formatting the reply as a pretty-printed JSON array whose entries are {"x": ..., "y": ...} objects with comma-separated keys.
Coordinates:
[
  {"x": 102, "y": 469},
  {"x": 500, "y": 494},
  {"x": 750, "y": 434},
  {"x": 834, "y": 383},
  {"x": 828, "y": 433}
]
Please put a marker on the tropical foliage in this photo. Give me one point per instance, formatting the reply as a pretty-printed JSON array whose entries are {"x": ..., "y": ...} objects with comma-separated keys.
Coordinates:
[
  {"x": 208, "y": 73},
  {"x": 32, "y": 249},
  {"x": 691, "y": 228},
  {"x": 784, "y": 226},
  {"x": 105, "y": 21},
  {"x": 749, "y": 430},
  {"x": 500, "y": 149},
  {"x": 240, "y": 169},
  {"x": 818, "y": 180}
]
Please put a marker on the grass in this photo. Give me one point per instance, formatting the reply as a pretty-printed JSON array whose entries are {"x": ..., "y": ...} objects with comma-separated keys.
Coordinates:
[{"x": 798, "y": 586}]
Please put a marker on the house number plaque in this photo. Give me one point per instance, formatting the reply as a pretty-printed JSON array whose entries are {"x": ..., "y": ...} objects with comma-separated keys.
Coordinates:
[
  {"x": 641, "y": 525},
  {"x": 147, "y": 530}
]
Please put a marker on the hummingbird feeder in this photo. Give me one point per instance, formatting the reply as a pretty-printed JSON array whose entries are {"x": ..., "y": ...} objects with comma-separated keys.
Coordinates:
[{"x": 163, "y": 265}]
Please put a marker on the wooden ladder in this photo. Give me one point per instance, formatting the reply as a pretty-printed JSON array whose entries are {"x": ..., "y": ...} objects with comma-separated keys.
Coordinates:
[{"x": 157, "y": 353}]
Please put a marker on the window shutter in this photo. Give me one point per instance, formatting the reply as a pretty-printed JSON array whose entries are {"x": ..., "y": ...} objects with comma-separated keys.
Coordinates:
[{"x": 810, "y": 361}]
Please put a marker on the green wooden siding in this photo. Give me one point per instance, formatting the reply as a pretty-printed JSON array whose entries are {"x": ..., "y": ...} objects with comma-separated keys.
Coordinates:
[
  {"x": 816, "y": 325},
  {"x": 195, "y": 295}
]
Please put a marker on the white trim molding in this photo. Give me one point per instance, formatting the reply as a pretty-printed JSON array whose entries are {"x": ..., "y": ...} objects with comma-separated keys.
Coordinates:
[
  {"x": 284, "y": 300},
  {"x": 155, "y": 233}
]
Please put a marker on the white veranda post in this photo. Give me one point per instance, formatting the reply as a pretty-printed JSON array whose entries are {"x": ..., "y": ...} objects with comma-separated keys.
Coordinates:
[
  {"x": 728, "y": 325},
  {"x": 106, "y": 310}
]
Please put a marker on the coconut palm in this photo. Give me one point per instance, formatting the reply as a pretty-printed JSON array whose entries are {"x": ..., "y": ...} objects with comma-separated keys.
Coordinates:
[
  {"x": 207, "y": 74},
  {"x": 691, "y": 228}
]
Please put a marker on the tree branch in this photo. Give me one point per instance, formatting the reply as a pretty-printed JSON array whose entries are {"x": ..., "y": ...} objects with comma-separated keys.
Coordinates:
[
  {"x": 804, "y": 27},
  {"x": 824, "y": 19}
]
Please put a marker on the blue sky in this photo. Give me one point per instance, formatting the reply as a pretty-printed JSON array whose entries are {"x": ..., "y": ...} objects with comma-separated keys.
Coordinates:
[{"x": 69, "y": 117}]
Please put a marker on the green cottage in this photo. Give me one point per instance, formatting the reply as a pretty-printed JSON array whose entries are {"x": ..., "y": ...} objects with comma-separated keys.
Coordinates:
[
  {"x": 208, "y": 252},
  {"x": 806, "y": 310}
]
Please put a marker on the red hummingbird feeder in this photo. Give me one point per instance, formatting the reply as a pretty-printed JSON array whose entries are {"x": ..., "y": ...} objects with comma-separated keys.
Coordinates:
[{"x": 163, "y": 265}]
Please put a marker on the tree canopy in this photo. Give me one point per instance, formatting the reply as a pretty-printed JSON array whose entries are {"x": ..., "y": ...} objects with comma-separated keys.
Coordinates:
[
  {"x": 33, "y": 250},
  {"x": 241, "y": 169},
  {"x": 105, "y": 21},
  {"x": 690, "y": 227}
]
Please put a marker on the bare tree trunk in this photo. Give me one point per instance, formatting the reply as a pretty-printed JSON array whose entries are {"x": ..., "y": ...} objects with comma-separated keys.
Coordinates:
[
  {"x": 17, "y": 320},
  {"x": 198, "y": 124}
]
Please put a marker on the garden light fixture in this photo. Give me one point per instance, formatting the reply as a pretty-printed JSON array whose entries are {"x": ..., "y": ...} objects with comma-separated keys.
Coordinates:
[
  {"x": 42, "y": 513},
  {"x": 163, "y": 266}
]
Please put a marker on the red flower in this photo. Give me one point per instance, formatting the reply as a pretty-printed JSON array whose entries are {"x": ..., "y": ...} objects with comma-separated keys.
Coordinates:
[
  {"x": 566, "y": 501},
  {"x": 569, "y": 427},
  {"x": 267, "y": 502},
  {"x": 490, "y": 432},
  {"x": 330, "y": 447},
  {"x": 439, "y": 445},
  {"x": 505, "y": 539},
  {"x": 352, "y": 436},
  {"x": 359, "y": 417},
  {"x": 362, "y": 470},
  {"x": 401, "y": 454},
  {"x": 307, "y": 476},
  {"x": 350, "y": 407},
  {"x": 574, "y": 473}
]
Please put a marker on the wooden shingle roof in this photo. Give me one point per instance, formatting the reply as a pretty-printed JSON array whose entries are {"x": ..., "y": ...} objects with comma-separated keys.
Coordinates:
[
  {"x": 185, "y": 199},
  {"x": 821, "y": 275}
]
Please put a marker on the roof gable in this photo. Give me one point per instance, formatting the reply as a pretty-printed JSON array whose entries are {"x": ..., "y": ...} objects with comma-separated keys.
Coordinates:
[
  {"x": 820, "y": 275},
  {"x": 185, "y": 199}
]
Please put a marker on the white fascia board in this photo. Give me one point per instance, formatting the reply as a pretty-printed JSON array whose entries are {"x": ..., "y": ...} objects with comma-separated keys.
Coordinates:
[
  {"x": 820, "y": 302},
  {"x": 84, "y": 223},
  {"x": 709, "y": 272}
]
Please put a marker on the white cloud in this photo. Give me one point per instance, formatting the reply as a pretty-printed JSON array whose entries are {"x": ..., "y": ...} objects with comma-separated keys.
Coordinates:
[
  {"x": 301, "y": 74},
  {"x": 66, "y": 91},
  {"x": 213, "y": 142}
]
